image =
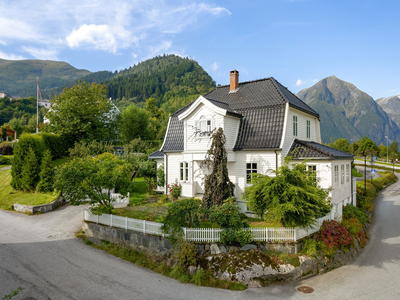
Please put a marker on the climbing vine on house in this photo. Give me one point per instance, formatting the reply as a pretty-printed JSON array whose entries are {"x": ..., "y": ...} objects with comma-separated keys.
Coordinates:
[{"x": 217, "y": 185}]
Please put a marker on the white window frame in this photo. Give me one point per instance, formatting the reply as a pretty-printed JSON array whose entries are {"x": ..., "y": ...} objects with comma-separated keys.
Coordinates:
[
  {"x": 203, "y": 124},
  {"x": 253, "y": 168},
  {"x": 313, "y": 169},
  {"x": 295, "y": 131},
  {"x": 336, "y": 174},
  {"x": 184, "y": 171},
  {"x": 347, "y": 173},
  {"x": 308, "y": 123},
  {"x": 342, "y": 174}
]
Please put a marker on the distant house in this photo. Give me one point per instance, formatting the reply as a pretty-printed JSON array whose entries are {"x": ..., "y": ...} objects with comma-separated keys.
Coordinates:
[
  {"x": 263, "y": 122},
  {"x": 45, "y": 103}
]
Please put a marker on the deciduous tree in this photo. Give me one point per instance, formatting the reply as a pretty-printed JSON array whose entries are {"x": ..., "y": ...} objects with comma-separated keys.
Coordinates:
[
  {"x": 91, "y": 180},
  {"x": 83, "y": 113}
]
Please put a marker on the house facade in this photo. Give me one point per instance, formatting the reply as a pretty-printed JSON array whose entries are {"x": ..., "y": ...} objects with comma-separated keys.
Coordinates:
[{"x": 263, "y": 122}]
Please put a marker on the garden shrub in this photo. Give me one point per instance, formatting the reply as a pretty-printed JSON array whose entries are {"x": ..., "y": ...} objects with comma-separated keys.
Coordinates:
[
  {"x": 26, "y": 143},
  {"x": 6, "y": 148},
  {"x": 29, "y": 176},
  {"x": 84, "y": 149},
  {"x": 46, "y": 174},
  {"x": 234, "y": 227},
  {"x": 5, "y": 160},
  {"x": 183, "y": 213},
  {"x": 334, "y": 236},
  {"x": 57, "y": 144},
  {"x": 353, "y": 225},
  {"x": 311, "y": 247},
  {"x": 352, "y": 212},
  {"x": 186, "y": 253},
  {"x": 174, "y": 190}
]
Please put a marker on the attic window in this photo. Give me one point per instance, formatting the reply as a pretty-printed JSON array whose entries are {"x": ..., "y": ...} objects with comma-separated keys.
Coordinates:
[{"x": 203, "y": 124}]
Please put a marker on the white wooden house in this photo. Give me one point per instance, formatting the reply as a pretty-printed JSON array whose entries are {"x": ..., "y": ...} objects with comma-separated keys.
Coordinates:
[{"x": 263, "y": 122}]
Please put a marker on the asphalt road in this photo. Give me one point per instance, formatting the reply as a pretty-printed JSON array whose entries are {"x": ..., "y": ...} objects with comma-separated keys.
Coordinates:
[{"x": 41, "y": 255}]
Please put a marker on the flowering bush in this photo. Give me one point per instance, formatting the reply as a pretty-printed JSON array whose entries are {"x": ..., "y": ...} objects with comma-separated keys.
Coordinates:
[
  {"x": 175, "y": 189},
  {"x": 334, "y": 236}
]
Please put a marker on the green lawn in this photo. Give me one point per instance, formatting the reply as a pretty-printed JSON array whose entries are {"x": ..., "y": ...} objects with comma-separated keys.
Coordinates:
[
  {"x": 138, "y": 192},
  {"x": 356, "y": 173},
  {"x": 8, "y": 196},
  {"x": 59, "y": 161}
]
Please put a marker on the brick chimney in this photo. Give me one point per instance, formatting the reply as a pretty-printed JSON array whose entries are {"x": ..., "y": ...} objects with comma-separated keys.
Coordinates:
[{"x": 234, "y": 80}]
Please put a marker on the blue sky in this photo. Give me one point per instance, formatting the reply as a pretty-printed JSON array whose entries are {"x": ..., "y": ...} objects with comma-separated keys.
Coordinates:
[{"x": 298, "y": 42}]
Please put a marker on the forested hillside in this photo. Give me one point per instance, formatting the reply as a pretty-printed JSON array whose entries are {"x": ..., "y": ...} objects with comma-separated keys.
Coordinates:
[
  {"x": 20, "y": 114},
  {"x": 173, "y": 81},
  {"x": 18, "y": 78}
]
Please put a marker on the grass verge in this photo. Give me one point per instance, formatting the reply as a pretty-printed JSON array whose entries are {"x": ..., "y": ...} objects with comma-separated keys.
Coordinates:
[
  {"x": 9, "y": 197},
  {"x": 200, "y": 278},
  {"x": 356, "y": 173}
]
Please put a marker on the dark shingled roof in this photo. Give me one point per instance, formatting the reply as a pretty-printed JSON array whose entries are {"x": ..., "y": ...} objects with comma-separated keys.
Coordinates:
[
  {"x": 304, "y": 149},
  {"x": 260, "y": 103},
  {"x": 174, "y": 138},
  {"x": 156, "y": 154}
]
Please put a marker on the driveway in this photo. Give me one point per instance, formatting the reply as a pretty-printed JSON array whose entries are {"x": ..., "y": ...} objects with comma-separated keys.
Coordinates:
[{"x": 40, "y": 254}]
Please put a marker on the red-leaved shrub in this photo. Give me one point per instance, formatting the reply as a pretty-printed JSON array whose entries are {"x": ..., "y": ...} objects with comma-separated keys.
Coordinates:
[{"x": 334, "y": 235}]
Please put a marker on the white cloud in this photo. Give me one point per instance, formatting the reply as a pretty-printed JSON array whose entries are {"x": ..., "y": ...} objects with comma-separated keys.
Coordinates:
[
  {"x": 159, "y": 49},
  {"x": 100, "y": 36},
  {"x": 300, "y": 82},
  {"x": 46, "y": 54},
  {"x": 103, "y": 25},
  {"x": 214, "y": 66},
  {"x": 10, "y": 56}
]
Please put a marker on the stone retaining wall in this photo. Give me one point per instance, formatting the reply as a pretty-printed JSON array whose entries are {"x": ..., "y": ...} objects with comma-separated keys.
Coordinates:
[
  {"x": 151, "y": 244},
  {"x": 252, "y": 265},
  {"x": 39, "y": 208},
  {"x": 161, "y": 246}
]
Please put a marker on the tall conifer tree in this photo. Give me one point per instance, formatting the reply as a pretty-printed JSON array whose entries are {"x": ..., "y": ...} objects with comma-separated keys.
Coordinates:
[{"x": 217, "y": 185}]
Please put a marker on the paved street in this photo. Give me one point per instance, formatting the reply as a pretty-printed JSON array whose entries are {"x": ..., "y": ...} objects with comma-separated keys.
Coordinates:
[{"x": 40, "y": 254}]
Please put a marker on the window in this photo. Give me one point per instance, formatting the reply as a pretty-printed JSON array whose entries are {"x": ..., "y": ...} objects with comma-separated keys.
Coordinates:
[
  {"x": 203, "y": 124},
  {"x": 308, "y": 129},
  {"x": 342, "y": 174},
  {"x": 184, "y": 171},
  {"x": 336, "y": 175},
  {"x": 295, "y": 125},
  {"x": 347, "y": 173},
  {"x": 313, "y": 170},
  {"x": 251, "y": 168},
  {"x": 181, "y": 171}
]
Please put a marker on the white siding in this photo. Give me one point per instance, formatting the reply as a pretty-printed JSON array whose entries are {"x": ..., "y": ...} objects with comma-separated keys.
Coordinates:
[
  {"x": 195, "y": 143},
  {"x": 231, "y": 128},
  {"x": 237, "y": 170},
  {"x": 301, "y": 129},
  {"x": 172, "y": 160}
]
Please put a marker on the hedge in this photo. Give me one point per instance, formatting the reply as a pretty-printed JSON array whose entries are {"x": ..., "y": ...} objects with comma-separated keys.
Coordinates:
[{"x": 56, "y": 143}]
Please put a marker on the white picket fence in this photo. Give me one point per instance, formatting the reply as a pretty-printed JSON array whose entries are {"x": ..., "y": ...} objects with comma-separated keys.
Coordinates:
[{"x": 265, "y": 234}]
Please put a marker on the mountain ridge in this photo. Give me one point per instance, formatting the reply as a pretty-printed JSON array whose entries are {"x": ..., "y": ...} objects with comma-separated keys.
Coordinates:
[{"x": 347, "y": 112}]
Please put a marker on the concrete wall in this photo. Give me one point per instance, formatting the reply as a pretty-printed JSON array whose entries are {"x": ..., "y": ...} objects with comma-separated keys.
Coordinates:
[
  {"x": 40, "y": 208},
  {"x": 152, "y": 244}
]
